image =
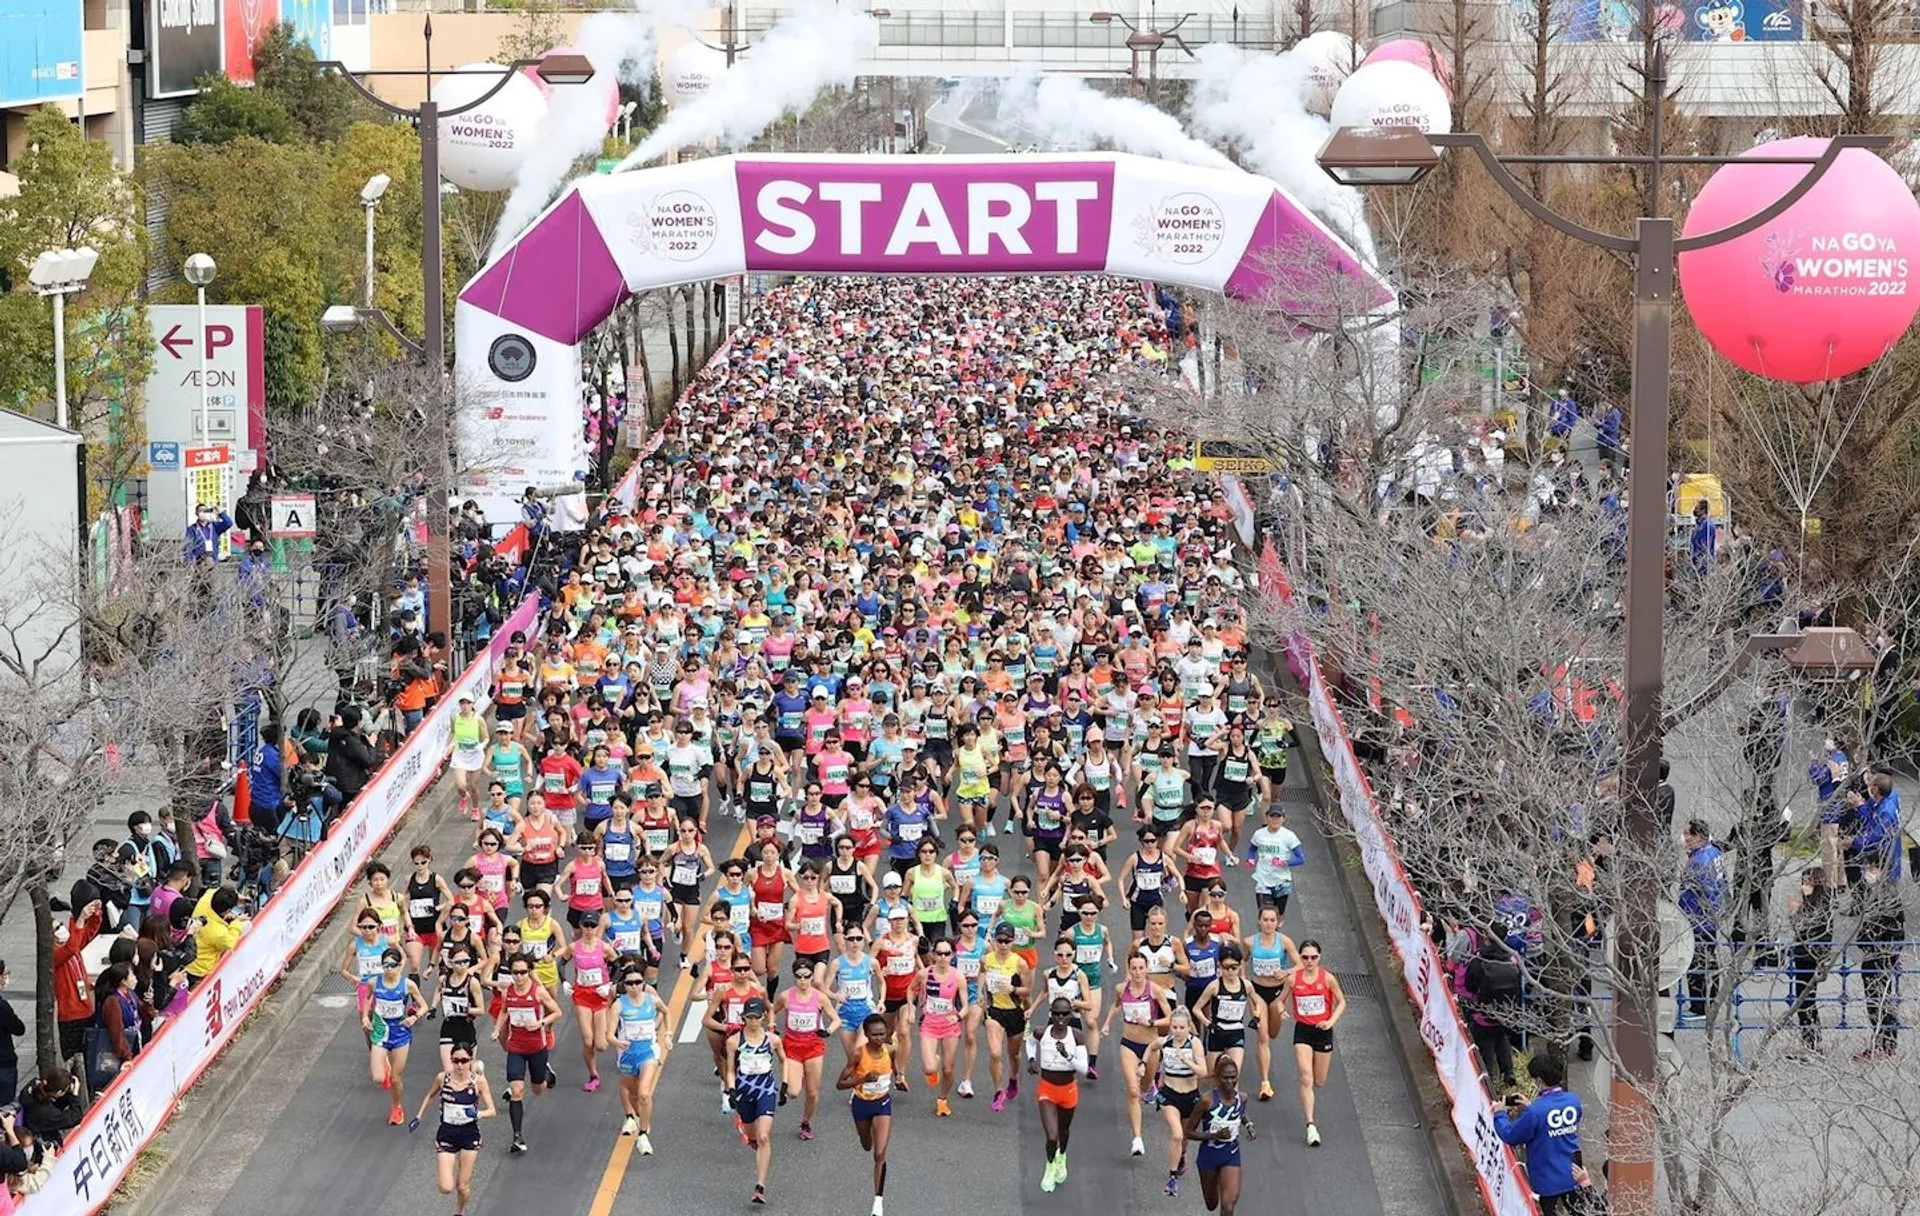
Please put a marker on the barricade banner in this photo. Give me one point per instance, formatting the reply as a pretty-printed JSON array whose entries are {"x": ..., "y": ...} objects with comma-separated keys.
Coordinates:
[
  {"x": 1503, "y": 1183},
  {"x": 133, "y": 1109}
]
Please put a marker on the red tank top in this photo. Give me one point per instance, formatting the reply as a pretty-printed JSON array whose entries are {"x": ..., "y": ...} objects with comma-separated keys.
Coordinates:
[
  {"x": 733, "y": 1005},
  {"x": 589, "y": 886},
  {"x": 769, "y": 896},
  {"x": 540, "y": 846},
  {"x": 523, "y": 1012},
  {"x": 1203, "y": 853},
  {"x": 814, "y": 919},
  {"x": 1312, "y": 999}
]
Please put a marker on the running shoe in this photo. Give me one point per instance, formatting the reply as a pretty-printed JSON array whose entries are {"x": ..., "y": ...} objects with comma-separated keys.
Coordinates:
[
  {"x": 386, "y": 1080},
  {"x": 1093, "y": 1074},
  {"x": 759, "y": 1195},
  {"x": 396, "y": 1117},
  {"x": 964, "y": 1089},
  {"x": 933, "y": 1079},
  {"x": 1047, "y": 1179},
  {"x": 999, "y": 1100},
  {"x": 988, "y": 832},
  {"x": 1313, "y": 1136},
  {"x": 629, "y": 1125},
  {"x": 740, "y": 1126},
  {"x": 592, "y": 1084},
  {"x": 645, "y": 1145},
  {"x": 1013, "y": 1088},
  {"x": 518, "y": 1146},
  {"x": 1173, "y": 1184},
  {"x": 1180, "y": 1166},
  {"x": 1266, "y": 1091},
  {"x": 1060, "y": 1167},
  {"x": 806, "y": 1129},
  {"x": 1136, "y": 1149},
  {"x": 553, "y": 1078},
  {"x": 941, "y": 1108},
  {"x": 726, "y": 1106},
  {"x": 900, "y": 1082}
]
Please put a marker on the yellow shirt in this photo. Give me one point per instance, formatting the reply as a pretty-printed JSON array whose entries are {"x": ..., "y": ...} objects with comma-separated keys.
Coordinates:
[{"x": 214, "y": 939}]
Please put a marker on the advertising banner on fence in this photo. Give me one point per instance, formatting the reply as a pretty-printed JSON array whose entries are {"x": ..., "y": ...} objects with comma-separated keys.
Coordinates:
[
  {"x": 1502, "y": 1183},
  {"x": 39, "y": 51},
  {"x": 131, "y": 1111}
]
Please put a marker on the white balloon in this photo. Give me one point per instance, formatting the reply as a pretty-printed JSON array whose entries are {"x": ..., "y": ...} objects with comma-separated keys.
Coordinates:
[
  {"x": 1328, "y": 57},
  {"x": 691, "y": 71},
  {"x": 483, "y": 148},
  {"x": 1393, "y": 93}
]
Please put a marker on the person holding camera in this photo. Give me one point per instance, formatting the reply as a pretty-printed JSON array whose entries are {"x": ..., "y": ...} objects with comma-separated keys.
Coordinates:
[
  {"x": 218, "y": 922},
  {"x": 1548, "y": 1129}
]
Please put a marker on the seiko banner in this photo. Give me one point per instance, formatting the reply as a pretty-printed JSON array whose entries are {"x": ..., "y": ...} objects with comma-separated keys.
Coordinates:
[{"x": 184, "y": 40}]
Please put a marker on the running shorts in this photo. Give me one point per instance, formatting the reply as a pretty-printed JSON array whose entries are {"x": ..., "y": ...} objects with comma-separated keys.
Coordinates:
[
  {"x": 634, "y": 1057},
  {"x": 1217, "y": 1156},
  {"x": 1320, "y": 1038},
  {"x": 530, "y": 1066},
  {"x": 865, "y": 1109},
  {"x": 457, "y": 1138},
  {"x": 1063, "y": 1094}
]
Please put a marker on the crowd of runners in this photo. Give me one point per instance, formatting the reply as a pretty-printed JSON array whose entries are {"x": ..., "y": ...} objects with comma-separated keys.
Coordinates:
[{"x": 915, "y": 612}]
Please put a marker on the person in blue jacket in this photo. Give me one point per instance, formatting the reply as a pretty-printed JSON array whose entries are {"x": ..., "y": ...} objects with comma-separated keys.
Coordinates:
[
  {"x": 1703, "y": 898},
  {"x": 1548, "y": 1129}
]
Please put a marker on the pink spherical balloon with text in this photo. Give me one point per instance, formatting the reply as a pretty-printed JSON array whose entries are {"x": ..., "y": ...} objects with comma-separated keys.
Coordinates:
[
  {"x": 1419, "y": 54},
  {"x": 1818, "y": 292}
]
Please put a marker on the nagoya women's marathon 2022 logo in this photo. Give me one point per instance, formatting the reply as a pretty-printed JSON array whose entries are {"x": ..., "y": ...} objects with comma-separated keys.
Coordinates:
[{"x": 1850, "y": 264}]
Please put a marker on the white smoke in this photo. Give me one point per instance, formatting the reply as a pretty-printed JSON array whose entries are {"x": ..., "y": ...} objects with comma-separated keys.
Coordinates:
[
  {"x": 1068, "y": 115},
  {"x": 620, "y": 47},
  {"x": 1252, "y": 103},
  {"x": 785, "y": 69}
]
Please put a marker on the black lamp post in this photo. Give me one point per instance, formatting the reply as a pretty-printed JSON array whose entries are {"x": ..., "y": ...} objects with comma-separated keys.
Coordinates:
[
  {"x": 1149, "y": 39},
  {"x": 1400, "y": 155}
]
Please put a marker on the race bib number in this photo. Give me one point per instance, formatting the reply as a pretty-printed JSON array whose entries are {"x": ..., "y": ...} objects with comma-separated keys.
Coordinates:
[
  {"x": 523, "y": 1018},
  {"x": 620, "y": 850},
  {"x": 940, "y": 1005},
  {"x": 1085, "y": 955},
  {"x": 803, "y": 1021},
  {"x": 1312, "y": 1005},
  {"x": 1205, "y": 855},
  {"x": 1146, "y": 880},
  {"x": 767, "y": 911},
  {"x": 856, "y": 992},
  {"x": 813, "y": 926},
  {"x": 420, "y": 909},
  {"x": 912, "y": 831},
  {"x": 899, "y": 964}
]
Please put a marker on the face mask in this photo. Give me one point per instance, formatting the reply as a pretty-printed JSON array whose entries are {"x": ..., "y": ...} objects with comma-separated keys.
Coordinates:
[{"x": 60, "y": 934}]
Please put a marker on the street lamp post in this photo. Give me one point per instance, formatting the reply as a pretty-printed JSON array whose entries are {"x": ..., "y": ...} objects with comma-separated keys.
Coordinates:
[
  {"x": 555, "y": 70},
  {"x": 1149, "y": 38},
  {"x": 370, "y": 195},
  {"x": 59, "y": 273},
  {"x": 1401, "y": 155},
  {"x": 199, "y": 271}
]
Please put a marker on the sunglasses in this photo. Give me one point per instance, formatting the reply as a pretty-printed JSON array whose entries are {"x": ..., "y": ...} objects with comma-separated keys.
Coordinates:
[
  {"x": 369, "y": 924},
  {"x": 633, "y": 983},
  {"x": 461, "y": 1059},
  {"x": 522, "y": 971},
  {"x": 468, "y": 886},
  {"x": 943, "y": 954},
  {"x": 1310, "y": 957},
  {"x": 856, "y": 937}
]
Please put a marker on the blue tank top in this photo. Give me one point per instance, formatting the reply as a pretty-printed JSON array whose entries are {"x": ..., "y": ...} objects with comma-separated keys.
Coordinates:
[
  {"x": 1267, "y": 965},
  {"x": 739, "y": 909},
  {"x": 987, "y": 896},
  {"x": 753, "y": 1064},
  {"x": 650, "y": 905},
  {"x": 625, "y": 933},
  {"x": 637, "y": 1020},
  {"x": 856, "y": 984},
  {"x": 969, "y": 963},
  {"x": 616, "y": 849},
  {"x": 366, "y": 958},
  {"x": 1149, "y": 881},
  {"x": 1205, "y": 963},
  {"x": 390, "y": 1004}
]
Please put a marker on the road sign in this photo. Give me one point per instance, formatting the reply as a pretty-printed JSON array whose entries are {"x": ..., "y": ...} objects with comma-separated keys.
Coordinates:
[
  {"x": 164, "y": 457},
  {"x": 1227, "y": 456},
  {"x": 232, "y": 345},
  {"x": 211, "y": 456},
  {"x": 293, "y": 516}
]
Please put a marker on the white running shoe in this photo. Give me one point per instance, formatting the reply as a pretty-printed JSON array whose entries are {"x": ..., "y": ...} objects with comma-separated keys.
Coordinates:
[
  {"x": 879, "y": 1206},
  {"x": 1313, "y": 1136},
  {"x": 964, "y": 1089},
  {"x": 1136, "y": 1149},
  {"x": 645, "y": 1145},
  {"x": 1233, "y": 863},
  {"x": 629, "y": 1125}
]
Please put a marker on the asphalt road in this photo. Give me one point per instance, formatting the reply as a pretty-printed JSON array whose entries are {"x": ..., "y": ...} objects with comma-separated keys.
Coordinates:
[{"x": 308, "y": 1136}]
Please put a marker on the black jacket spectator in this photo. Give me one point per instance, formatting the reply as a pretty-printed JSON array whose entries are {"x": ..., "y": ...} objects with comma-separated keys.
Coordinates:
[
  {"x": 351, "y": 760},
  {"x": 50, "y": 1106}
]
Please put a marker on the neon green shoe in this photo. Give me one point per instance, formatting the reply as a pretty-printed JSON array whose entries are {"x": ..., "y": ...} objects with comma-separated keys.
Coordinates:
[
  {"x": 1060, "y": 1168},
  {"x": 1047, "y": 1179}
]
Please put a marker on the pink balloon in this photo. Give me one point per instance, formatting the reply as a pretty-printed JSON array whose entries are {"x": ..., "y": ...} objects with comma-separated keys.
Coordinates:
[
  {"x": 602, "y": 82},
  {"x": 1416, "y": 52},
  {"x": 1818, "y": 292}
]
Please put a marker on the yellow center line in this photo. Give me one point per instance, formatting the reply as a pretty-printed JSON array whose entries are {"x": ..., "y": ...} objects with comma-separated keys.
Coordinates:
[{"x": 623, "y": 1153}]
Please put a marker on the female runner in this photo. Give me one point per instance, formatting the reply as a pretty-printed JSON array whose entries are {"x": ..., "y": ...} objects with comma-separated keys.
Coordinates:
[
  {"x": 805, "y": 1018},
  {"x": 1317, "y": 1004},
  {"x": 870, "y": 1076},
  {"x": 968, "y": 949},
  {"x": 638, "y": 1014},
  {"x": 1177, "y": 1058},
  {"x": 931, "y": 891},
  {"x": 1005, "y": 978},
  {"x": 688, "y": 864},
  {"x": 1143, "y": 1008},
  {"x": 460, "y": 1003},
  {"x": 772, "y": 886},
  {"x": 464, "y": 1100},
  {"x": 943, "y": 1006},
  {"x": 727, "y": 1004},
  {"x": 1166, "y": 954},
  {"x": 592, "y": 994},
  {"x": 1271, "y": 954},
  {"x": 393, "y": 1005},
  {"x": 851, "y": 983},
  {"x": 1229, "y": 1010},
  {"x": 1217, "y": 1124},
  {"x": 1144, "y": 881},
  {"x": 1063, "y": 1060},
  {"x": 755, "y": 1064}
]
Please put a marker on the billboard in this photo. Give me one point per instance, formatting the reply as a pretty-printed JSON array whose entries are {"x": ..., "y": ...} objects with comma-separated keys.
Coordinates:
[
  {"x": 245, "y": 21},
  {"x": 184, "y": 43},
  {"x": 39, "y": 51},
  {"x": 1719, "y": 21},
  {"x": 312, "y": 22}
]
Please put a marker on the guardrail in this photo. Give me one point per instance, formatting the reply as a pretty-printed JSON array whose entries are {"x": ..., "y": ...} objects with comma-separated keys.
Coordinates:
[
  {"x": 132, "y": 1110},
  {"x": 1503, "y": 1184}
]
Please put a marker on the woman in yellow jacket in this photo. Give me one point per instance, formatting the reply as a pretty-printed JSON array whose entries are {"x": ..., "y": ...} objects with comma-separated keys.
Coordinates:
[{"x": 218, "y": 924}]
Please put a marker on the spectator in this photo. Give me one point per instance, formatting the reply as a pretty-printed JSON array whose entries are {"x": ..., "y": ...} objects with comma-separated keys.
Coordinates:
[
  {"x": 209, "y": 524},
  {"x": 1607, "y": 433},
  {"x": 1548, "y": 1129},
  {"x": 253, "y": 514},
  {"x": 1883, "y": 927},
  {"x": 351, "y": 760},
  {"x": 11, "y": 1028},
  {"x": 150, "y": 853},
  {"x": 1491, "y": 986},
  {"x": 123, "y": 1018},
  {"x": 210, "y": 843},
  {"x": 50, "y": 1105},
  {"x": 73, "y": 992},
  {"x": 411, "y": 676},
  {"x": 266, "y": 784},
  {"x": 179, "y": 878},
  {"x": 1665, "y": 797},
  {"x": 1811, "y": 917},
  {"x": 1875, "y": 838},
  {"x": 1703, "y": 898},
  {"x": 218, "y": 926},
  {"x": 256, "y": 574},
  {"x": 108, "y": 874}
]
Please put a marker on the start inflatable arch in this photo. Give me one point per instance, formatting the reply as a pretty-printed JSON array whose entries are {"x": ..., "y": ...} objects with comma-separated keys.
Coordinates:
[{"x": 519, "y": 323}]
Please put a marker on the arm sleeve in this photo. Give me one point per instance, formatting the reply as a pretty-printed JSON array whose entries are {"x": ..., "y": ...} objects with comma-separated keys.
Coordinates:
[{"x": 1297, "y": 858}]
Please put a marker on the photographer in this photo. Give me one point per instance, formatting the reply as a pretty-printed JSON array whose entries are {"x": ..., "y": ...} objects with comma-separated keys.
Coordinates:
[
  {"x": 1548, "y": 1129},
  {"x": 217, "y": 923},
  {"x": 50, "y": 1106},
  {"x": 351, "y": 758}
]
